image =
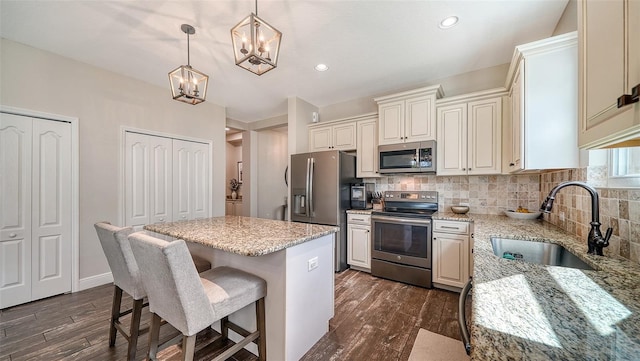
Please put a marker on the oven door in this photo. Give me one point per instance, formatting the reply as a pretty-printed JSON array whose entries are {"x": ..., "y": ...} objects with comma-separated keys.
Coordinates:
[{"x": 402, "y": 240}]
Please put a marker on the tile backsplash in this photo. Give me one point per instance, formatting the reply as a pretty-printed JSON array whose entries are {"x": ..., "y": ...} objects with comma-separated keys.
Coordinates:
[
  {"x": 490, "y": 194},
  {"x": 619, "y": 209}
]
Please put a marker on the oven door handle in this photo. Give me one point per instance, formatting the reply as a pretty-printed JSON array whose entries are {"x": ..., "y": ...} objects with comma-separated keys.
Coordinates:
[{"x": 401, "y": 220}]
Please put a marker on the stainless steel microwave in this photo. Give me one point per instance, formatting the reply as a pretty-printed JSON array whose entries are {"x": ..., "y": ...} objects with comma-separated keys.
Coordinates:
[{"x": 416, "y": 157}]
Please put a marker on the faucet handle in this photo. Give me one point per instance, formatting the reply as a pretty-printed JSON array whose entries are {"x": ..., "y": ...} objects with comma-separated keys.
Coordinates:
[{"x": 607, "y": 236}]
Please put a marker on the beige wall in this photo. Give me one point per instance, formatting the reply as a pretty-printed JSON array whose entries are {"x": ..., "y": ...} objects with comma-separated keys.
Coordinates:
[
  {"x": 569, "y": 20},
  {"x": 272, "y": 162},
  {"x": 488, "y": 78},
  {"x": 104, "y": 102}
]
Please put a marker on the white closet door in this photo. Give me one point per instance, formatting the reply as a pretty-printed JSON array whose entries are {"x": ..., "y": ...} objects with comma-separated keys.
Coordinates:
[
  {"x": 15, "y": 208},
  {"x": 137, "y": 213},
  {"x": 190, "y": 180},
  {"x": 200, "y": 180},
  {"x": 160, "y": 177},
  {"x": 51, "y": 208}
]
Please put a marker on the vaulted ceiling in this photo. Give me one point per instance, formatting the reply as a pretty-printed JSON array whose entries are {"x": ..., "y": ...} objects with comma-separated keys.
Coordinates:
[{"x": 371, "y": 47}]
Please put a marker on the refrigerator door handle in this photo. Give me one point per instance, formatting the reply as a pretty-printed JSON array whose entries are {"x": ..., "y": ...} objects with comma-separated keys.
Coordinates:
[
  {"x": 306, "y": 190},
  {"x": 311, "y": 174}
]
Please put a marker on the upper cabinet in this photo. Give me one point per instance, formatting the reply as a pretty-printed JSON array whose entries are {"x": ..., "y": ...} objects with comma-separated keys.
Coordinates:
[
  {"x": 367, "y": 146},
  {"x": 542, "y": 84},
  {"x": 409, "y": 116},
  {"x": 470, "y": 134},
  {"x": 338, "y": 135},
  {"x": 609, "y": 58}
]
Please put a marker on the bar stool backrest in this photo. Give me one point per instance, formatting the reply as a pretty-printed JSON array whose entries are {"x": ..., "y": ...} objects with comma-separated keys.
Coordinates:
[
  {"x": 173, "y": 285},
  {"x": 124, "y": 268}
]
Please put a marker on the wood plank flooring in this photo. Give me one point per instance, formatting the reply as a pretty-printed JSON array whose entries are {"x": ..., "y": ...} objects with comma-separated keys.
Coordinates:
[{"x": 375, "y": 319}]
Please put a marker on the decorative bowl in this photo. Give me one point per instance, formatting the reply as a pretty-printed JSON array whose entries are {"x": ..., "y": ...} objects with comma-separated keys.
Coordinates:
[
  {"x": 460, "y": 209},
  {"x": 521, "y": 215}
]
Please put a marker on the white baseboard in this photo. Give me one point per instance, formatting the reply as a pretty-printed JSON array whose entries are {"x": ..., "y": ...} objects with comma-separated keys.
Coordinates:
[{"x": 94, "y": 281}]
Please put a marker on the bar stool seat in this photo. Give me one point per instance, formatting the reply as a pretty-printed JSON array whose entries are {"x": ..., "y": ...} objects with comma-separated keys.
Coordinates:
[
  {"x": 192, "y": 302},
  {"x": 126, "y": 278}
]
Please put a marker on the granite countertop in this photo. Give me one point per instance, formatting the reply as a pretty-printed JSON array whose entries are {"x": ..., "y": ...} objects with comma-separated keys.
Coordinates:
[
  {"x": 246, "y": 236},
  {"x": 524, "y": 311},
  {"x": 359, "y": 211}
]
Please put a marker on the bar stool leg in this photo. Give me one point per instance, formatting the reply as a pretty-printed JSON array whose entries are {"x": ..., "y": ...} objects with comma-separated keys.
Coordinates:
[
  {"x": 224, "y": 328},
  {"x": 115, "y": 314},
  {"x": 262, "y": 338},
  {"x": 135, "y": 328},
  {"x": 188, "y": 347},
  {"x": 154, "y": 336}
]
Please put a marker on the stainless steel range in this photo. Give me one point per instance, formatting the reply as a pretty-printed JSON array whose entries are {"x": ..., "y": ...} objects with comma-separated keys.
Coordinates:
[{"x": 401, "y": 242}]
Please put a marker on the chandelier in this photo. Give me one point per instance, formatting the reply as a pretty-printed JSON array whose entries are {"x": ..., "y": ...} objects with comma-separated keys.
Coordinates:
[
  {"x": 256, "y": 44},
  {"x": 187, "y": 84}
]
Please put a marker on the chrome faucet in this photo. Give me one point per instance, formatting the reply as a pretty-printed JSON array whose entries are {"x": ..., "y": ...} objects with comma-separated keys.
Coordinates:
[{"x": 596, "y": 242}]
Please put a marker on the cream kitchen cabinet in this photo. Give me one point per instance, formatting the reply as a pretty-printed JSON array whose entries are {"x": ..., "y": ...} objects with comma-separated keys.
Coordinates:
[
  {"x": 609, "y": 65},
  {"x": 359, "y": 241},
  {"x": 409, "y": 116},
  {"x": 542, "y": 84},
  {"x": 338, "y": 135},
  {"x": 367, "y": 146},
  {"x": 470, "y": 134},
  {"x": 451, "y": 253},
  {"x": 233, "y": 207}
]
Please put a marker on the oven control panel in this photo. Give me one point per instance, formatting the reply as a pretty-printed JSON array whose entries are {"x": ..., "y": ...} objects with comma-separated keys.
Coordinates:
[{"x": 411, "y": 196}]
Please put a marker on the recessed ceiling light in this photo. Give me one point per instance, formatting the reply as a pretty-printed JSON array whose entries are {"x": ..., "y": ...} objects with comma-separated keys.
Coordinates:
[
  {"x": 226, "y": 129},
  {"x": 448, "y": 22},
  {"x": 322, "y": 67}
]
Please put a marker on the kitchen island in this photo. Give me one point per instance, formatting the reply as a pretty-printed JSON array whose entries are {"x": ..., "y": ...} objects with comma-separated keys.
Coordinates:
[
  {"x": 296, "y": 260},
  {"x": 525, "y": 311}
]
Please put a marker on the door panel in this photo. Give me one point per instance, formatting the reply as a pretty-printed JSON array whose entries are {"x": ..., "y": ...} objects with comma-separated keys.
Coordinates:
[
  {"x": 200, "y": 180},
  {"x": 15, "y": 209},
  {"x": 160, "y": 180},
  {"x": 182, "y": 163},
  {"x": 325, "y": 194},
  {"x": 51, "y": 208},
  {"x": 136, "y": 179}
]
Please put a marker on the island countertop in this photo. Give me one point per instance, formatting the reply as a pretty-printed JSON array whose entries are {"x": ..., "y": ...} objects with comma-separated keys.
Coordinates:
[
  {"x": 245, "y": 236},
  {"x": 525, "y": 311}
]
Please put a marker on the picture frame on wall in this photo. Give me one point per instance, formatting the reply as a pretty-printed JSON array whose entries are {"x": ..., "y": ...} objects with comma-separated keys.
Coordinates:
[{"x": 240, "y": 172}]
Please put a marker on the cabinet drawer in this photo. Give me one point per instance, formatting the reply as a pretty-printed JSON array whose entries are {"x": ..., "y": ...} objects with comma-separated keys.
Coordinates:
[
  {"x": 359, "y": 219},
  {"x": 451, "y": 227}
]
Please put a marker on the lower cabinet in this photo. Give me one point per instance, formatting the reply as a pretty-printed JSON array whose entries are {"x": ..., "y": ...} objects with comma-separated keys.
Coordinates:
[
  {"x": 359, "y": 241},
  {"x": 233, "y": 207},
  {"x": 451, "y": 253}
]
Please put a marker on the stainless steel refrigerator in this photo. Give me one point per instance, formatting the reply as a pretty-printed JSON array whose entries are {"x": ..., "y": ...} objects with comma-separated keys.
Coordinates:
[{"x": 320, "y": 184}]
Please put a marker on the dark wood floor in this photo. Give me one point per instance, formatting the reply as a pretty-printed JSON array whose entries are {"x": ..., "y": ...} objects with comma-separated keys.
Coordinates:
[{"x": 375, "y": 319}]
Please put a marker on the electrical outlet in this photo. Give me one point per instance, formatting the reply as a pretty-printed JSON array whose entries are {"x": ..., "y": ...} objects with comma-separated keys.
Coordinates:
[{"x": 312, "y": 264}]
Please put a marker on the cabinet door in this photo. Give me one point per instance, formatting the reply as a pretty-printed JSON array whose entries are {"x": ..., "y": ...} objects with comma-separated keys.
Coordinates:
[
  {"x": 517, "y": 121},
  {"x": 391, "y": 123},
  {"x": 420, "y": 123},
  {"x": 15, "y": 209},
  {"x": 450, "y": 259},
  {"x": 609, "y": 67},
  {"x": 452, "y": 140},
  {"x": 320, "y": 139},
  {"x": 484, "y": 137},
  {"x": 238, "y": 208},
  {"x": 359, "y": 246},
  {"x": 344, "y": 136},
  {"x": 229, "y": 209},
  {"x": 367, "y": 149}
]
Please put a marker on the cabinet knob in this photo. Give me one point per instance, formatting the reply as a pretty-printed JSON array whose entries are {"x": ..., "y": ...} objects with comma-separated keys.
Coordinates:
[
  {"x": 162, "y": 219},
  {"x": 183, "y": 217},
  {"x": 12, "y": 235},
  {"x": 464, "y": 168},
  {"x": 511, "y": 164},
  {"x": 434, "y": 238}
]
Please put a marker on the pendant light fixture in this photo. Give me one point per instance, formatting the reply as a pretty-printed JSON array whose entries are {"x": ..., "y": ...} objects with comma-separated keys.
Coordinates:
[
  {"x": 187, "y": 84},
  {"x": 256, "y": 44}
]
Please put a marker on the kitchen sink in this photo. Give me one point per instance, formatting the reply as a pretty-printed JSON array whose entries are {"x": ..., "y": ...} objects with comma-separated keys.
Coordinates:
[{"x": 536, "y": 252}]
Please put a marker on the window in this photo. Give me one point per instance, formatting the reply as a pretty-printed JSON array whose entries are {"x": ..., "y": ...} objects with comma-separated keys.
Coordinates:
[{"x": 624, "y": 167}]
